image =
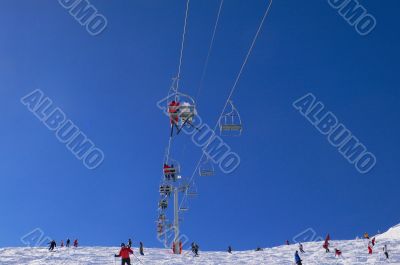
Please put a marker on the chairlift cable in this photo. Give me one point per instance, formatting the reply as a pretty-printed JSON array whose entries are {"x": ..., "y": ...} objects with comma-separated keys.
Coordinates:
[
  {"x": 175, "y": 84},
  {"x": 235, "y": 83},
  {"x": 205, "y": 67},
  {"x": 182, "y": 45}
]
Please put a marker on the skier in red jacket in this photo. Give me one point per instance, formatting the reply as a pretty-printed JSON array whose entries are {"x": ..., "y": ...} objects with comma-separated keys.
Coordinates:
[
  {"x": 326, "y": 243},
  {"x": 76, "y": 243},
  {"x": 124, "y": 254},
  {"x": 173, "y": 111},
  {"x": 338, "y": 252},
  {"x": 369, "y": 249}
]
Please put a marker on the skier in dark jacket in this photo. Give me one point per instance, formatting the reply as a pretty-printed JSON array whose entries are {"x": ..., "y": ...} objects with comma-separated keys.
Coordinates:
[
  {"x": 52, "y": 244},
  {"x": 68, "y": 243},
  {"x": 385, "y": 251},
  {"x": 301, "y": 248},
  {"x": 229, "y": 249},
  {"x": 141, "y": 249},
  {"x": 195, "y": 249},
  {"x": 297, "y": 258},
  {"x": 130, "y": 242},
  {"x": 124, "y": 254}
]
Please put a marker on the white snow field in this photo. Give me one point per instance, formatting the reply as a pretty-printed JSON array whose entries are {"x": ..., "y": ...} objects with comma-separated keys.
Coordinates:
[{"x": 354, "y": 252}]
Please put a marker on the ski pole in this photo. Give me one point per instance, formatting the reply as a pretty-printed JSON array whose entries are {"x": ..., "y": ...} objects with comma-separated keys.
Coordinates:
[{"x": 137, "y": 258}]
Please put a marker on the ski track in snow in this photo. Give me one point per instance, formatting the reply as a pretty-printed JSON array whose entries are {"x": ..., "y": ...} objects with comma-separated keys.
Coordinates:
[{"x": 354, "y": 253}]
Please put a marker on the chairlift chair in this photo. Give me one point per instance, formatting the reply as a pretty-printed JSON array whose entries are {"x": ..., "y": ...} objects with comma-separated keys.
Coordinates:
[
  {"x": 192, "y": 191},
  {"x": 181, "y": 109},
  {"x": 161, "y": 218},
  {"x": 171, "y": 170},
  {"x": 192, "y": 194},
  {"x": 206, "y": 168},
  {"x": 230, "y": 123},
  {"x": 183, "y": 209},
  {"x": 165, "y": 190},
  {"x": 163, "y": 204}
]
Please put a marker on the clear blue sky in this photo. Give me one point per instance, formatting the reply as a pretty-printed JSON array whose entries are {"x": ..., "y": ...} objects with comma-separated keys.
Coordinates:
[{"x": 290, "y": 177}]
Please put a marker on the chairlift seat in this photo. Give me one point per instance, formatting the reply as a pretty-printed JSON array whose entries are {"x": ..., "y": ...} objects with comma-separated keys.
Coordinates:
[
  {"x": 231, "y": 127},
  {"x": 192, "y": 194},
  {"x": 206, "y": 173}
]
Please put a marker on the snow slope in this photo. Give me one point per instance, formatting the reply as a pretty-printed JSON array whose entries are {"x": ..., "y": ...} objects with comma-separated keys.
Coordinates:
[{"x": 354, "y": 252}]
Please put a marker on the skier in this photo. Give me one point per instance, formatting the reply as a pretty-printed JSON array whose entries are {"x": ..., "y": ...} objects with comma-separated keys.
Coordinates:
[
  {"x": 62, "y": 243},
  {"x": 141, "y": 249},
  {"x": 373, "y": 241},
  {"x": 301, "y": 248},
  {"x": 68, "y": 242},
  {"x": 229, "y": 249},
  {"x": 195, "y": 249},
  {"x": 52, "y": 245},
  {"x": 385, "y": 251},
  {"x": 130, "y": 242},
  {"x": 124, "y": 254},
  {"x": 76, "y": 243},
  {"x": 369, "y": 249},
  {"x": 287, "y": 242},
  {"x": 366, "y": 235},
  {"x": 326, "y": 243},
  {"x": 326, "y": 246},
  {"x": 297, "y": 258},
  {"x": 338, "y": 252}
]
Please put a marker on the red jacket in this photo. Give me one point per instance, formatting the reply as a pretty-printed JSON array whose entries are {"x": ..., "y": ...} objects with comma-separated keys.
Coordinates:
[
  {"x": 173, "y": 112},
  {"x": 124, "y": 252},
  {"x": 369, "y": 250}
]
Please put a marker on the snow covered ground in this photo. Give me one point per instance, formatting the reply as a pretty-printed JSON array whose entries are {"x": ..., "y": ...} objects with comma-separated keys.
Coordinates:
[{"x": 354, "y": 252}]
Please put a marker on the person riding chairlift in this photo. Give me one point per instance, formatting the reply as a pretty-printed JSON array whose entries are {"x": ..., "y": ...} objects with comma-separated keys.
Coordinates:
[
  {"x": 173, "y": 110},
  {"x": 169, "y": 172}
]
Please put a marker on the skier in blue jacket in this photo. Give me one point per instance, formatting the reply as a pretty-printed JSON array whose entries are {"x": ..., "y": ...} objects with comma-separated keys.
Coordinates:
[{"x": 297, "y": 258}]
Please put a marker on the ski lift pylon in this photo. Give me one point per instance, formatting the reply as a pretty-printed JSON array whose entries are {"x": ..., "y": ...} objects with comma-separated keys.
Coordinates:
[{"x": 230, "y": 123}]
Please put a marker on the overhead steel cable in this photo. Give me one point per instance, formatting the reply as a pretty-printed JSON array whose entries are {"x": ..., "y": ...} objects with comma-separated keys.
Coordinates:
[
  {"x": 234, "y": 85},
  {"x": 182, "y": 45},
  {"x": 205, "y": 67}
]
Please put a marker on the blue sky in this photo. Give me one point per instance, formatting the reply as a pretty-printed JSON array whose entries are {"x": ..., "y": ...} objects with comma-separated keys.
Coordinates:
[{"x": 290, "y": 177}]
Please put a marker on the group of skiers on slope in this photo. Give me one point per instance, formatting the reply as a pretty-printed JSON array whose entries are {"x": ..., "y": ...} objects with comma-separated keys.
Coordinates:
[
  {"x": 371, "y": 245},
  {"x": 126, "y": 251},
  {"x": 338, "y": 253},
  {"x": 53, "y": 244}
]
